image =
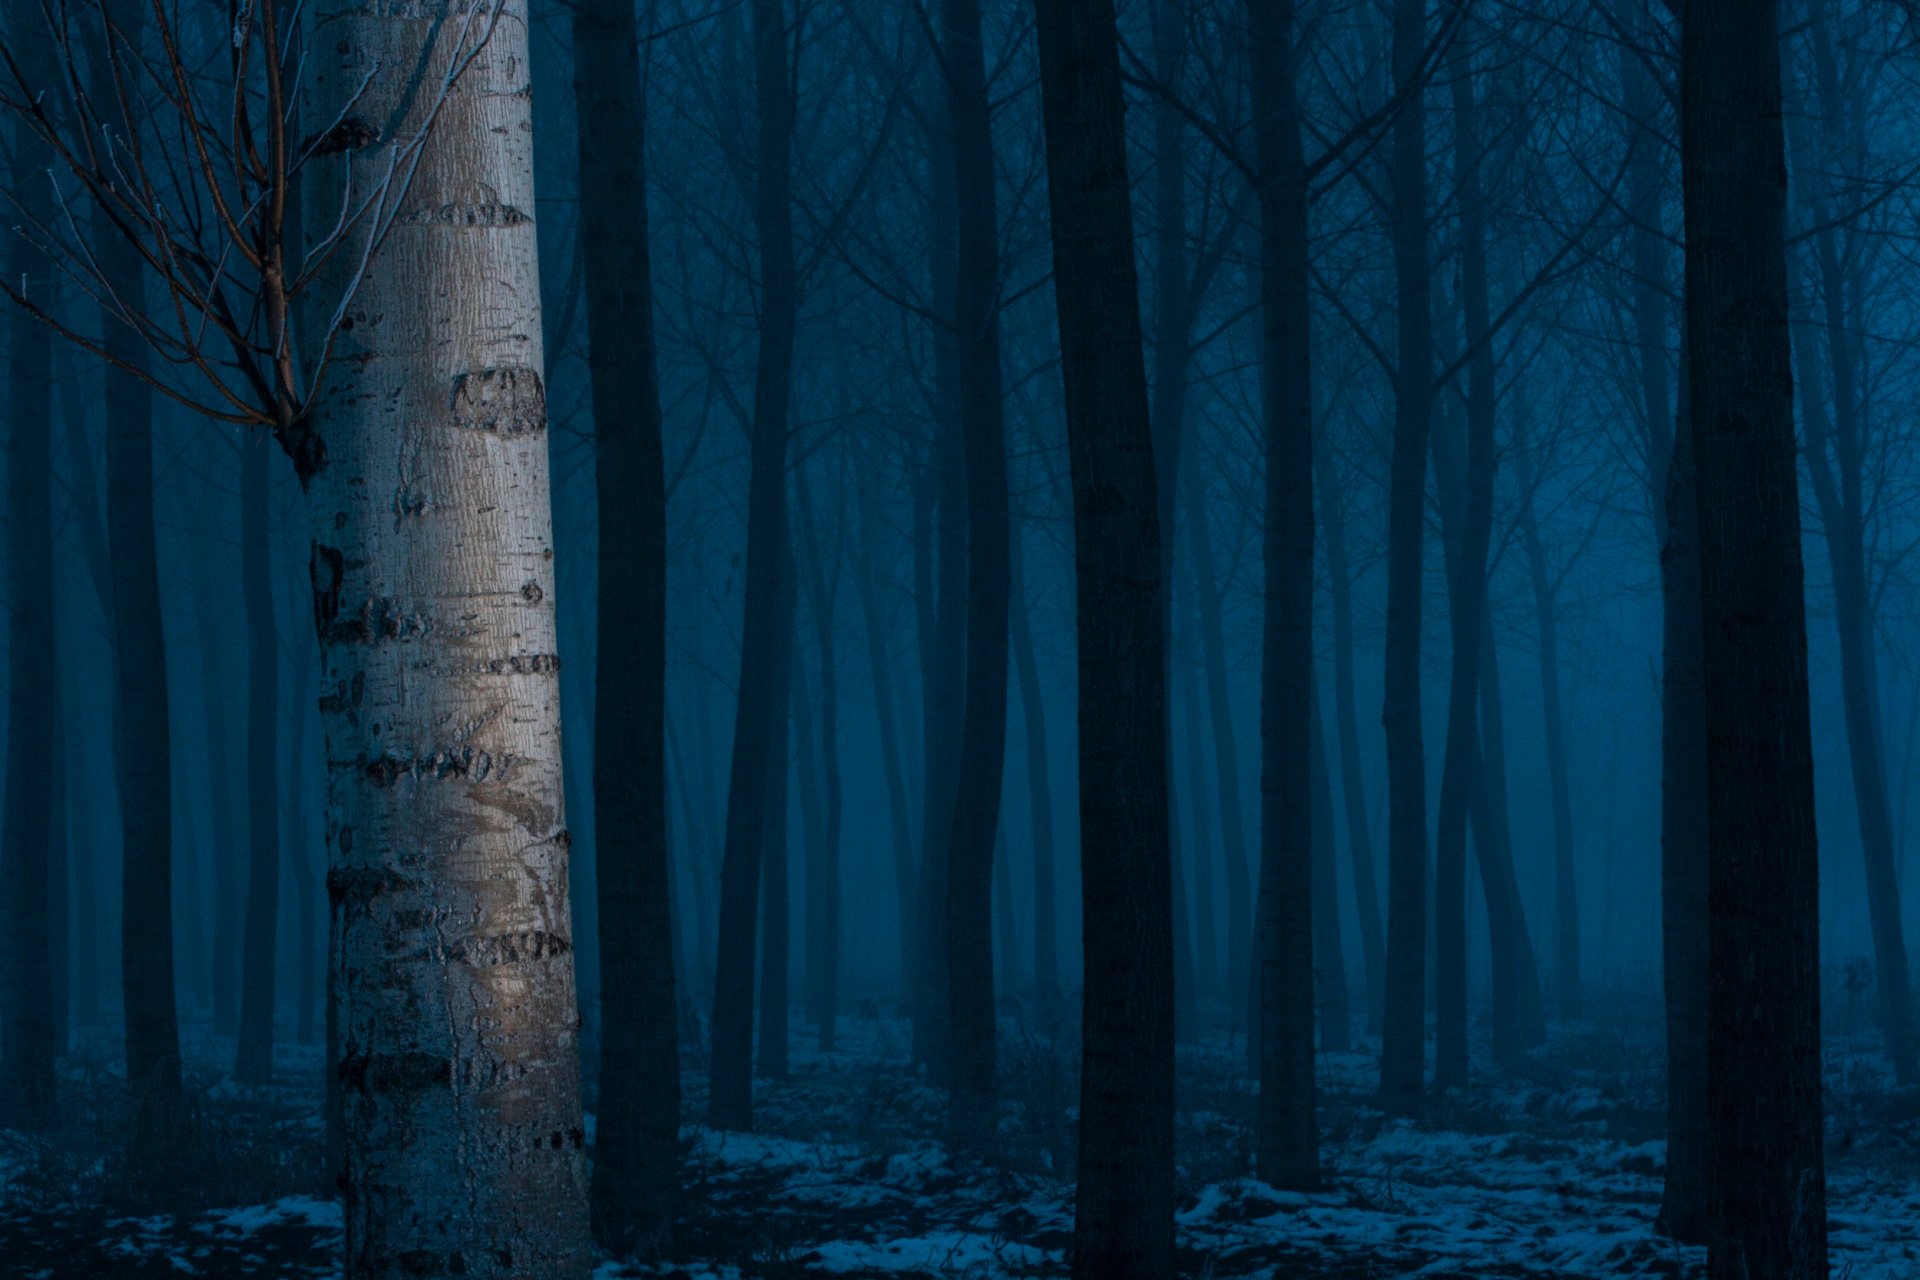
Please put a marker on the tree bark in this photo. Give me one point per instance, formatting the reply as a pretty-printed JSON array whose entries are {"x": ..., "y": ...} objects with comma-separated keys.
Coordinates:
[
  {"x": 1123, "y": 1225},
  {"x": 636, "y": 1140},
  {"x": 1402, "y": 1051},
  {"x": 1766, "y": 1164},
  {"x": 1033, "y": 716},
  {"x": 452, "y": 985}
]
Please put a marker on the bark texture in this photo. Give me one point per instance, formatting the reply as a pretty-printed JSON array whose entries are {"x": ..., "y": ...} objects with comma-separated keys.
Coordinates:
[{"x": 456, "y": 1057}]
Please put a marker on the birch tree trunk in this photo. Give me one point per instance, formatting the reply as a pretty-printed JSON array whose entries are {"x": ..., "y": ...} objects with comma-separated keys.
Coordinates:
[{"x": 432, "y": 567}]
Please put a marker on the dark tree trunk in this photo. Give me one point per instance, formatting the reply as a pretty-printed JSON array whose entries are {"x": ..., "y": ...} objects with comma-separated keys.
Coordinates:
[
  {"x": 983, "y": 732},
  {"x": 1519, "y": 1016},
  {"x": 140, "y": 671},
  {"x": 1123, "y": 1226},
  {"x": 1206, "y": 934},
  {"x": 1353, "y": 782},
  {"x": 1684, "y": 1202},
  {"x": 1329, "y": 958},
  {"x": 941, "y": 591},
  {"x": 776, "y": 903},
  {"x": 886, "y": 713},
  {"x": 1287, "y": 1145},
  {"x": 636, "y": 1141},
  {"x": 823, "y": 831},
  {"x": 1033, "y": 715},
  {"x": 760, "y": 714},
  {"x": 1545, "y": 585},
  {"x": 26, "y": 864},
  {"x": 1208, "y": 593},
  {"x": 1402, "y": 1052},
  {"x": 1467, "y": 593},
  {"x": 254, "y": 1061},
  {"x": 1766, "y": 1165}
]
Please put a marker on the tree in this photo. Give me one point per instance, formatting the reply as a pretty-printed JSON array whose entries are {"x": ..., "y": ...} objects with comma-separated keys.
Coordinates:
[
  {"x": 27, "y": 1018},
  {"x": 1763, "y": 1051},
  {"x": 1123, "y": 1224},
  {"x": 427, "y": 480},
  {"x": 760, "y": 715},
  {"x": 983, "y": 727},
  {"x": 1286, "y": 1137},
  {"x": 1402, "y": 1052},
  {"x": 254, "y": 1060},
  {"x": 636, "y": 1143}
]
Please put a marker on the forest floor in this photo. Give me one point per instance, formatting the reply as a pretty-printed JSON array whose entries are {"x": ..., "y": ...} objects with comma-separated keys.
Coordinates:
[{"x": 1550, "y": 1170}]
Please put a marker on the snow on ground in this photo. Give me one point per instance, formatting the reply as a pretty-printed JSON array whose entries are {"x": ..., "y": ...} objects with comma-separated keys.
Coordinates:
[{"x": 1552, "y": 1172}]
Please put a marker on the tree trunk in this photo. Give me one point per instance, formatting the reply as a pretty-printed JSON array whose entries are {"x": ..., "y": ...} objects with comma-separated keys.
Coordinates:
[
  {"x": 1123, "y": 1225},
  {"x": 1329, "y": 958},
  {"x": 1285, "y": 1135},
  {"x": 254, "y": 1061},
  {"x": 455, "y": 1011},
  {"x": 1566, "y": 900},
  {"x": 983, "y": 732},
  {"x": 1402, "y": 1052},
  {"x": 760, "y": 714},
  {"x": 636, "y": 1141},
  {"x": 1033, "y": 715},
  {"x": 776, "y": 904},
  {"x": 1467, "y": 593},
  {"x": 1206, "y": 934},
  {"x": 1766, "y": 1165},
  {"x": 823, "y": 838},
  {"x": 27, "y": 1017},
  {"x": 941, "y": 538},
  {"x": 1684, "y": 1201},
  {"x": 1519, "y": 1016},
  {"x": 142, "y": 738},
  {"x": 1353, "y": 782},
  {"x": 1208, "y": 592},
  {"x": 886, "y": 714}
]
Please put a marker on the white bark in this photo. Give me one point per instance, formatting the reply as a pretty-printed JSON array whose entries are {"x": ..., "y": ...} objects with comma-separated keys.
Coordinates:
[{"x": 432, "y": 565}]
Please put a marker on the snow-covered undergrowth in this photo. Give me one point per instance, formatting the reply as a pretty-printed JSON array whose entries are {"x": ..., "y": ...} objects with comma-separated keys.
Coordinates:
[{"x": 1550, "y": 1170}]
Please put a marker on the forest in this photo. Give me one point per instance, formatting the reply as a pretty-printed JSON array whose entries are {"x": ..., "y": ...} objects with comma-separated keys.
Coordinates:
[{"x": 1127, "y": 639}]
